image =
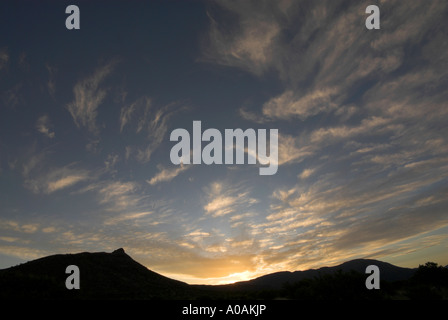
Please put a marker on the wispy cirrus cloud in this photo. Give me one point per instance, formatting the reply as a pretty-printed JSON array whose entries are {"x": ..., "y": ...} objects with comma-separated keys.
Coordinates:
[
  {"x": 306, "y": 173},
  {"x": 88, "y": 96},
  {"x": 119, "y": 195},
  {"x": 310, "y": 54},
  {"x": 126, "y": 217},
  {"x": 149, "y": 120},
  {"x": 247, "y": 44},
  {"x": 20, "y": 227},
  {"x": 351, "y": 96},
  {"x": 64, "y": 182},
  {"x": 42, "y": 178},
  {"x": 55, "y": 179},
  {"x": 288, "y": 105},
  {"x": 166, "y": 174},
  {"x": 223, "y": 200},
  {"x": 127, "y": 111},
  {"x": 43, "y": 126}
]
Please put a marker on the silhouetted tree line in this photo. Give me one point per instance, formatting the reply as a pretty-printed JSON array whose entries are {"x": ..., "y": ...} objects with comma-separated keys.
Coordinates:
[{"x": 430, "y": 282}]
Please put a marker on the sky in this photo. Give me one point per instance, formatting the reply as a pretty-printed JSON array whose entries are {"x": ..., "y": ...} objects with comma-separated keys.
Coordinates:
[{"x": 86, "y": 116}]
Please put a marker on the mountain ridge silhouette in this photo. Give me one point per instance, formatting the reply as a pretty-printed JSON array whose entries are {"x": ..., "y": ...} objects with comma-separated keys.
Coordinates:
[
  {"x": 116, "y": 275},
  {"x": 276, "y": 280}
]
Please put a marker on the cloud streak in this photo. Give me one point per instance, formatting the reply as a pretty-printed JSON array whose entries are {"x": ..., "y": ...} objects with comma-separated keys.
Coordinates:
[
  {"x": 247, "y": 46},
  {"x": 148, "y": 120},
  {"x": 43, "y": 126},
  {"x": 166, "y": 175},
  {"x": 56, "y": 179},
  {"x": 223, "y": 200},
  {"x": 88, "y": 96}
]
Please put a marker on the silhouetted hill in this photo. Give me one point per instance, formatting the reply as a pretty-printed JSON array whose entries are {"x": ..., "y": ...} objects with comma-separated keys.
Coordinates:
[
  {"x": 388, "y": 272},
  {"x": 102, "y": 276}
]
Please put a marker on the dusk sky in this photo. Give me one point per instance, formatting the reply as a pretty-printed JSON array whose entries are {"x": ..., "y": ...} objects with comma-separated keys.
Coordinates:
[{"x": 86, "y": 116}]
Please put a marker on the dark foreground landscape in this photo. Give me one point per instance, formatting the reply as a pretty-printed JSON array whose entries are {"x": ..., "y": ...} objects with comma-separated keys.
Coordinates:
[{"x": 117, "y": 276}]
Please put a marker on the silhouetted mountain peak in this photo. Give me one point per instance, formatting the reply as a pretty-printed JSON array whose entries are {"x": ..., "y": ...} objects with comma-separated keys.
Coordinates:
[
  {"x": 119, "y": 251},
  {"x": 103, "y": 276}
]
